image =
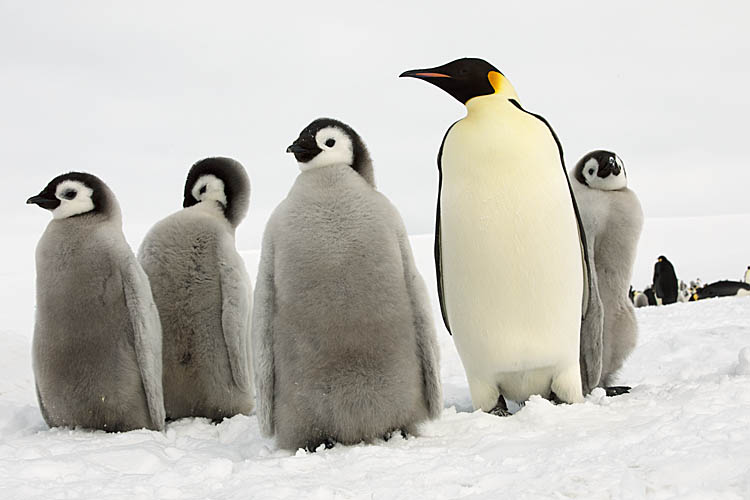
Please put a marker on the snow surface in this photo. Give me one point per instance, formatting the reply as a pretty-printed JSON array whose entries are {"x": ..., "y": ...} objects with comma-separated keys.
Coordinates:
[{"x": 684, "y": 431}]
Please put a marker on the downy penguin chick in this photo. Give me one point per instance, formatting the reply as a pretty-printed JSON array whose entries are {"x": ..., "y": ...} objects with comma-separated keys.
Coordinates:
[
  {"x": 344, "y": 341},
  {"x": 204, "y": 294},
  {"x": 97, "y": 337}
]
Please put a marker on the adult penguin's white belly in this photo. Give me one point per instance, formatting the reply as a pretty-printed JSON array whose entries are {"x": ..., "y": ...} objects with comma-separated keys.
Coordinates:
[{"x": 511, "y": 257}]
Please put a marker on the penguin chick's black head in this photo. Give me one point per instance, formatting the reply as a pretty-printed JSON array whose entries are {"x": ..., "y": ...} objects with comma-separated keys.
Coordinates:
[
  {"x": 221, "y": 180},
  {"x": 74, "y": 193},
  {"x": 464, "y": 78},
  {"x": 601, "y": 169},
  {"x": 327, "y": 142}
]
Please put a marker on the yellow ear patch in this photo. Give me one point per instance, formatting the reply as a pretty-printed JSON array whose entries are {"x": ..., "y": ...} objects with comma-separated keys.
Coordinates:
[
  {"x": 501, "y": 85},
  {"x": 496, "y": 80}
]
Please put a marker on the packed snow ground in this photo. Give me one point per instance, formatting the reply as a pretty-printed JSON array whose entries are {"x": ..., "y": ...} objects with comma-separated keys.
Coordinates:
[{"x": 684, "y": 431}]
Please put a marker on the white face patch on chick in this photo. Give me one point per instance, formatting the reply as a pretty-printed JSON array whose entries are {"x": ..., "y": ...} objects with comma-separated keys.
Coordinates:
[
  {"x": 209, "y": 187},
  {"x": 614, "y": 179},
  {"x": 335, "y": 149},
  {"x": 75, "y": 199}
]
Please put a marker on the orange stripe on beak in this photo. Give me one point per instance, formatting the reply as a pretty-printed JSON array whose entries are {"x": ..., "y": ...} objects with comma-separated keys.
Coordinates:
[{"x": 433, "y": 75}]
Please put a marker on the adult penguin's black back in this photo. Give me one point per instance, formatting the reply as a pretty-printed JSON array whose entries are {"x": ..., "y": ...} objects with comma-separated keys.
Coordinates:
[{"x": 665, "y": 281}]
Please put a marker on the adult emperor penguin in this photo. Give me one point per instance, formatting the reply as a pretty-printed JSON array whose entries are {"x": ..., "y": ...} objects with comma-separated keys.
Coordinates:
[
  {"x": 724, "y": 288},
  {"x": 665, "y": 281},
  {"x": 509, "y": 252},
  {"x": 204, "y": 294},
  {"x": 612, "y": 220},
  {"x": 343, "y": 337},
  {"x": 97, "y": 338}
]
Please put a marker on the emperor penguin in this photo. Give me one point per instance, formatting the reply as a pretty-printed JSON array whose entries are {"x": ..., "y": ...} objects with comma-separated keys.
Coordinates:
[
  {"x": 665, "y": 281},
  {"x": 510, "y": 252},
  {"x": 204, "y": 294},
  {"x": 746, "y": 278},
  {"x": 344, "y": 342},
  {"x": 612, "y": 220},
  {"x": 724, "y": 288},
  {"x": 97, "y": 338},
  {"x": 640, "y": 299}
]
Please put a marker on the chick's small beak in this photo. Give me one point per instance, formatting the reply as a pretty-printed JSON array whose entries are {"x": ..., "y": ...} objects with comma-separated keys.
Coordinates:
[{"x": 43, "y": 202}]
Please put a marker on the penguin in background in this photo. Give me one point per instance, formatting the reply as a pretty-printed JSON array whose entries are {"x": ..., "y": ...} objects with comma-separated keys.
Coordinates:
[
  {"x": 343, "y": 338},
  {"x": 746, "y": 278},
  {"x": 97, "y": 338},
  {"x": 650, "y": 296},
  {"x": 204, "y": 294},
  {"x": 640, "y": 299},
  {"x": 683, "y": 291},
  {"x": 509, "y": 246},
  {"x": 665, "y": 281},
  {"x": 724, "y": 288},
  {"x": 612, "y": 218}
]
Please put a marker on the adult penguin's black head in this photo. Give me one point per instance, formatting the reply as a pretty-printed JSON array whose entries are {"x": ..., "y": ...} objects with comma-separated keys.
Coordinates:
[
  {"x": 326, "y": 142},
  {"x": 219, "y": 180},
  {"x": 466, "y": 78}
]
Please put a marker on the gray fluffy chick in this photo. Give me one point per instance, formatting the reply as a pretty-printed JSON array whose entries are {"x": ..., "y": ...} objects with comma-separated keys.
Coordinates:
[
  {"x": 97, "y": 337},
  {"x": 204, "y": 294},
  {"x": 612, "y": 218},
  {"x": 343, "y": 337}
]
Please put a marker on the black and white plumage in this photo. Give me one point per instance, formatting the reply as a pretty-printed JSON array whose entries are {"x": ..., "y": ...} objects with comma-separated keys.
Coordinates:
[
  {"x": 665, "y": 281},
  {"x": 343, "y": 337},
  {"x": 97, "y": 337},
  {"x": 613, "y": 219},
  {"x": 509, "y": 247},
  {"x": 724, "y": 288},
  {"x": 203, "y": 293}
]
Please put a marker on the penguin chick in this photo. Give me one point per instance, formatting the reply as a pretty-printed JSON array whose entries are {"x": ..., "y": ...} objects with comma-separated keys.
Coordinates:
[
  {"x": 640, "y": 299},
  {"x": 204, "y": 294},
  {"x": 510, "y": 253},
  {"x": 612, "y": 218},
  {"x": 343, "y": 339},
  {"x": 97, "y": 337}
]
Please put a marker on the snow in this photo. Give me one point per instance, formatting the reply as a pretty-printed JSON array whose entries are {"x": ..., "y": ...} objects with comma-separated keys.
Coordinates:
[{"x": 683, "y": 432}]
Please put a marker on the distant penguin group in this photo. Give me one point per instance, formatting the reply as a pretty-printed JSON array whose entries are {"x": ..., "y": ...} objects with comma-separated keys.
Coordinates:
[{"x": 337, "y": 342}]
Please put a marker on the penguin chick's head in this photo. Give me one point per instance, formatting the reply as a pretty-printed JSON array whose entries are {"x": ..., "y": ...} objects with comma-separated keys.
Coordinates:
[
  {"x": 223, "y": 181},
  {"x": 327, "y": 142},
  {"x": 466, "y": 78},
  {"x": 75, "y": 193},
  {"x": 601, "y": 170}
]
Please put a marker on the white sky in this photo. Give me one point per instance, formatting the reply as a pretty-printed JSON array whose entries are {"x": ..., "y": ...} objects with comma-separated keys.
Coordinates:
[{"x": 135, "y": 93}]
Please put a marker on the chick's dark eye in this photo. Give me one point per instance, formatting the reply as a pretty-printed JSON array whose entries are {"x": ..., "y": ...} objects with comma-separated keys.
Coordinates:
[
  {"x": 202, "y": 190},
  {"x": 330, "y": 143},
  {"x": 591, "y": 171},
  {"x": 69, "y": 194}
]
